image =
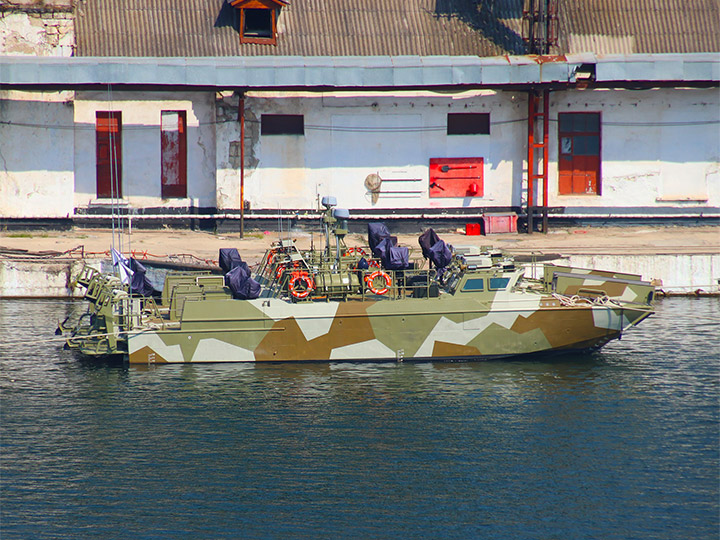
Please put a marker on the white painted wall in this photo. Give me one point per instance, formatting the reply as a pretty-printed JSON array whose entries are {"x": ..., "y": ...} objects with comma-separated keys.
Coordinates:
[
  {"x": 141, "y": 172},
  {"x": 348, "y": 137},
  {"x": 660, "y": 148},
  {"x": 49, "y": 279},
  {"x": 682, "y": 273},
  {"x": 36, "y": 154}
]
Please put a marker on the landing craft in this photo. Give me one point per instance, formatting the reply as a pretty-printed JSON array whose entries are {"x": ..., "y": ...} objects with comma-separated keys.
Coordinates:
[{"x": 370, "y": 303}]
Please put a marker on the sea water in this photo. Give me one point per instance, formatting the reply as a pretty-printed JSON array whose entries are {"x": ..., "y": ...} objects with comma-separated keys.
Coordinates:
[{"x": 616, "y": 444}]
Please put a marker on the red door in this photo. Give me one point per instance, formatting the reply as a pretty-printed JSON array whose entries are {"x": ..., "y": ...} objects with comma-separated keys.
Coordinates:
[
  {"x": 579, "y": 144},
  {"x": 108, "y": 141},
  {"x": 173, "y": 154}
]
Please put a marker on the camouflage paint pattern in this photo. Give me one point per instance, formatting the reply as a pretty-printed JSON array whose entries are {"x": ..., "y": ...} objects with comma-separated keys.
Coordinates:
[
  {"x": 448, "y": 328},
  {"x": 569, "y": 308}
]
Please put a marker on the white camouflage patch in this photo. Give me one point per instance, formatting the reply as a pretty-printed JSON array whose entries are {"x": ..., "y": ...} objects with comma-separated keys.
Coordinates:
[{"x": 214, "y": 350}]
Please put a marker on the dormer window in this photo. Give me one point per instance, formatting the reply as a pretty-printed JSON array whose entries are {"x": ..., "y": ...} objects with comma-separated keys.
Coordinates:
[{"x": 258, "y": 20}]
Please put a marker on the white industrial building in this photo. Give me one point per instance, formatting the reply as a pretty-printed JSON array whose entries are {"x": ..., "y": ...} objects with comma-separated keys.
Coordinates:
[{"x": 163, "y": 138}]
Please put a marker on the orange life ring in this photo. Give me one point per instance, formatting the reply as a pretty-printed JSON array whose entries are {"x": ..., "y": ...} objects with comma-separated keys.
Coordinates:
[
  {"x": 355, "y": 250},
  {"x": 299, "y": 278},
  {"x": 285, "y": 266},
  {"x": 372, "y": 277}
]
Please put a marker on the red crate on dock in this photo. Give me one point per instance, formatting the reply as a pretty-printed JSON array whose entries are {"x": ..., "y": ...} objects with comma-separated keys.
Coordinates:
[
  {"x": 501, "y": 222},
  {"x": 473, "y": 229}
]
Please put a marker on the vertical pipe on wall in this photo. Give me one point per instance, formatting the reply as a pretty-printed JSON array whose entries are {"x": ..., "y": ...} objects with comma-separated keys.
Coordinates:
[
  {"x": 241, "y": 119},
  {"x": 530, "y": 160},
  {"x": 546, "y": 140}
]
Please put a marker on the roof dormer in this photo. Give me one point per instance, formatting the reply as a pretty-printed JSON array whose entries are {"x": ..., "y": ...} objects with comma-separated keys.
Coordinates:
[{"x": 258, "y": 20}]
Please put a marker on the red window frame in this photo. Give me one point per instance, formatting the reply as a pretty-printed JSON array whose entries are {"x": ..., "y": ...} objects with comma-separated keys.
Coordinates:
[
  {"x": 108, "y": 154},
  {"x": 579, "y": 151}
]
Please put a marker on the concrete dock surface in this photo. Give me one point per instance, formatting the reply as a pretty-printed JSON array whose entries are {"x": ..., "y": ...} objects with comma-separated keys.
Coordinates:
[
  {"x": 677, "y": 260},
  {"x": 204, "y": 246}
]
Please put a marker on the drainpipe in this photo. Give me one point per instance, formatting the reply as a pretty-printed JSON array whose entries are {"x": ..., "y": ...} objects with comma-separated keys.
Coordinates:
[
  {"x": 531, "y": 161},
  {"x": 241, "y": 119}
]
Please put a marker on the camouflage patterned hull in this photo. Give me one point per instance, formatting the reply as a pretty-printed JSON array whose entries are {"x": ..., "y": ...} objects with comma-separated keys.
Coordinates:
[
  {"x": 412, "y": 329},
  {"x": 337, "y": 305}
]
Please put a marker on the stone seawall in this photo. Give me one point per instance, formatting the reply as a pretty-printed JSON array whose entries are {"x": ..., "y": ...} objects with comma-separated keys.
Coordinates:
[
  {"x": 673, "y": 274},
  {"x": 42, "y": 279}
]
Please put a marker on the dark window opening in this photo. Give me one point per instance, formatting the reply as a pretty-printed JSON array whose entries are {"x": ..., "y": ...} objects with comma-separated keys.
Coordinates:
[
  {"x": 282, "y": 124},
  {"x": 258, "y": 23},
  {"x": 468, "y": 124},
  {"x": 173, "y": 154},
  {"x": 108, "y": 152}
]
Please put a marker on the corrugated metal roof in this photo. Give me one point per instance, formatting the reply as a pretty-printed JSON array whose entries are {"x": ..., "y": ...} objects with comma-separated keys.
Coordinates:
[
  {"x": 306, "y": 28},
  {"x": 198, "y": 28},
  {"x": 639, "y": 26}
]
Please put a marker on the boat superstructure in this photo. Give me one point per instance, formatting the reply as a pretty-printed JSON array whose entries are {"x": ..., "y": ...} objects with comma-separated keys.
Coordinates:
[{"x": 369, "y": 303}]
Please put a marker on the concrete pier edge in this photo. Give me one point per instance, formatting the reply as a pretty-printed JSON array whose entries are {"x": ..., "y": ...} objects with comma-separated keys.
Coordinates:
[{"x": 678, "y": 260}]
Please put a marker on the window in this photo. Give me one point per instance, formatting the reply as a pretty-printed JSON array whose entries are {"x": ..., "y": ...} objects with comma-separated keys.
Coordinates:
[
  {"x": 258, "y": 23},
  {"x": 473, "y": 285},
  {"x": 173, "y": 154},
  {"x": 258, "y": 20},
  {"x": 579, "y": 153},
  {"x": 498, "y": 283},
  {"x": 282, "y": 124},
  {"x": 108, "y": 152},
  {"x": 468, "y": 124}
]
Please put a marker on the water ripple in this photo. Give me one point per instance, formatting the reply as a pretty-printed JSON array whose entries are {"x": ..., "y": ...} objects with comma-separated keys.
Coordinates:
[{"x": 621, "y": 443}]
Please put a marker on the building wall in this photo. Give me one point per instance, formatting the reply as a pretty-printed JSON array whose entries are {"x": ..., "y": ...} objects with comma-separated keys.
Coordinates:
[
  {"x": 348, "y": 137},
  {"x": 48, "y": 33},
  {"x": 36, "y": 154},
  {"x": 660, "y": 148},
  {"x": 141, "y": 168}
]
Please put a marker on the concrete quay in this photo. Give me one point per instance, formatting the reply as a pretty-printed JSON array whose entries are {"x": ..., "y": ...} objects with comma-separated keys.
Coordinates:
[{"x": 679, "y": 260}]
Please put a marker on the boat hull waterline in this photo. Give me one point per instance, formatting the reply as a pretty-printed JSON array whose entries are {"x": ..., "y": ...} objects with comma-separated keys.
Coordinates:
[
  {"x": 341, "y": 303},
  {"x": 364, "y": 331}
]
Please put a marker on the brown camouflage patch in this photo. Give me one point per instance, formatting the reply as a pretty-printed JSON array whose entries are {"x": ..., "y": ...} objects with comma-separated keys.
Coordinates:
[
  {"x": 350, "y": 325},
  {"x": 444, "y": 349},
  {"x": 565, "y": 327},
  {"x": 146, "y": 356}
]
